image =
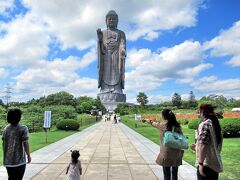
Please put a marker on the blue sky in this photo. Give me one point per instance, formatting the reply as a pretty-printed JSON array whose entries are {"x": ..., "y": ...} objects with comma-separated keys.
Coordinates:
[{"x": 172, "y": 46}]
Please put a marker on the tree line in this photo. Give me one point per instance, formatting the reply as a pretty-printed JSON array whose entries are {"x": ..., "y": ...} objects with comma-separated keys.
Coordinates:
[
  {"x": 218, "y": 101},
  {"x": 63, "y": 105},
  {"x": 82, "y": 104}
]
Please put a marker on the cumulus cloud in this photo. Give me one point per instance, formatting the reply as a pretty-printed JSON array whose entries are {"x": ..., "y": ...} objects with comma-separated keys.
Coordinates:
[
  {"x": 57, "y": 75},
  {"x": 150, "y": 69},
  {"x": 3, "y": 72},
  {"x": 213, "y": 85},
  {"x": 137, "y": 57},
  {"x": 185, "y": 97},
  {"x": 78, "y": 86},
  {"x": 163, "y": 15},
  {"x": 158, "y": 99},
  {"x": 151, "y": 36},
  {"x": 4, "y": 5},
  {"x": 25, "y": 42},
  {"x": 227, "y": 44},
  {"x": 193, "y": 71},
  {"x": 75, "y": 22}
]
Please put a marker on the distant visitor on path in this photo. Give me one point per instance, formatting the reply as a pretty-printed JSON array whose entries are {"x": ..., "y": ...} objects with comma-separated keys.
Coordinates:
[
  {"x": 74, "y": 169},
  {"x": 115, "y": 118},
  {"x": 168, "y": 158},
  {"x": 15, "y": 145},
  {"x": 111, "y": 56},
  {"x": 209, "y": 145}
]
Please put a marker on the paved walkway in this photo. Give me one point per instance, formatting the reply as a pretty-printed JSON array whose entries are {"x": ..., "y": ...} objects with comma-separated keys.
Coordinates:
[{"x": 108, "y": 152}]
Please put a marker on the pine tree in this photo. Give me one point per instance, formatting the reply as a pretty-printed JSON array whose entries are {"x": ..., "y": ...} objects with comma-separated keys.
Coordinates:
[
  {"x": 192, "y": 101},
  {"x": 176, "y": 100},
  {"x": 142, "y": 98}
]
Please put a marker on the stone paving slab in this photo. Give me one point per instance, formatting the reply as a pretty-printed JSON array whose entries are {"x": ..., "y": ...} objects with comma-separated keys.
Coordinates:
[
  {"x": 42, "y": 157},
  {"x": 108, "y": 152},
  {"x": 149, "y": 151}
]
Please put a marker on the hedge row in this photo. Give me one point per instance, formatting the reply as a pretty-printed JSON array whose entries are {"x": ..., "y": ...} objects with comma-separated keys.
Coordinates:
[
  {"x": 230, "y": 127},
  {"x": 193, "y": 123},
  {"x": 68, "y": 124},
  {"x": 183, "y": 121}
]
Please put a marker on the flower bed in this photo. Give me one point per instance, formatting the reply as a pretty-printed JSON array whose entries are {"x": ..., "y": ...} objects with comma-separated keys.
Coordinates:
[
  {"x": 231, "y": 115},
  {"x": 151, "y": 116},
  {"x": 188, "y": 116}
]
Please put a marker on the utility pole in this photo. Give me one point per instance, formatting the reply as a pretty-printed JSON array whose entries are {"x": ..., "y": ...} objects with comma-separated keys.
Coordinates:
[{"x": 7, "y": 93}]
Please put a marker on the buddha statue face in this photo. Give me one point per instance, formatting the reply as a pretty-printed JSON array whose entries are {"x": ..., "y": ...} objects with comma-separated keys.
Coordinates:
[{"x": 112, "y": 20}]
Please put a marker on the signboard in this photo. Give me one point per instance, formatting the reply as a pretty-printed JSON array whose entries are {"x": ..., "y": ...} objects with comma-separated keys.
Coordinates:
[{"x": 47, "y": 119}]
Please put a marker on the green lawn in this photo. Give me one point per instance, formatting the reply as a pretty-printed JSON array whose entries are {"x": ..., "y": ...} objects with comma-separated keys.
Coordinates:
[
  {"x": 38, "y": 140},
  {"x": 230, "y": 151}
]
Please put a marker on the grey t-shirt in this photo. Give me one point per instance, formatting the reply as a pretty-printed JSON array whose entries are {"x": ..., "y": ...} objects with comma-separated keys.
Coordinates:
[{"x": 13, "y": 150}]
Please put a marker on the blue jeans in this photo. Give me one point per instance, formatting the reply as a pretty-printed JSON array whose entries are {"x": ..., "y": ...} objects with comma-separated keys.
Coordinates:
[
  {"x": 169, "y": 172},
  {"x": 16, "y": 173},
  {"x": 210, "y": 174}
]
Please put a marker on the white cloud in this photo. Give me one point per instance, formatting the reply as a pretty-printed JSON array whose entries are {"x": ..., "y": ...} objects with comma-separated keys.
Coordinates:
[
  {"x": 193, "y": 71},
  {"x": 185, "y": 80},
  {"x": 4, "y": 5},
  {"x": 218, "y": 85},
  {"x": 213, "y": 85},
  {"x": 163, "y": 15},
  {"x": 3, "y": 72},
  {"x": 137, "y": 57},
  {"x": 235, "y": 61},
  {"x": 149, "y": 69},
  {"x": 77, "y": 86},
  {"x": 151, "y": 36},
  {"x": 75, "y": 22},
  {"x": 25, "y": 42},
  {"x": 136, "y": 82},
  {"x": 209, "y": 79},
  {"x": 158, "y": 99},
  {"x": 56, "y": 75},
  {"x": 227, "y": 43},
  {"x": 185, "y": 97}
]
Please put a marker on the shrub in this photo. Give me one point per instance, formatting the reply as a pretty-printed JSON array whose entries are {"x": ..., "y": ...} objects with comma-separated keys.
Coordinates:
[
  {"x": 230, "y": 127},
  {"x": 193, "y": 123},
  {"x": 61, "y": 111},
  {"x": 33, "y": 121},
  {"x": 123, "y": 109},
  {"x": 3, "y": 123},
  {"x": 68, "y": 124},
  {"x": 86, "y": 119},
  {"x": 183, "y": 121}
]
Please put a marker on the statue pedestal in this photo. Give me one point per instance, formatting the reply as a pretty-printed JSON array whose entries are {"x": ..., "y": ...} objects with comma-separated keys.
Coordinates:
[{"x": 112, "y": 100}]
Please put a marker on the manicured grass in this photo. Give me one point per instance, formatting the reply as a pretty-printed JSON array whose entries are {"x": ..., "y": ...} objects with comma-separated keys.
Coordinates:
[
  {"x": 230, "y": 151},
  {"x": 37, "y": 140}
]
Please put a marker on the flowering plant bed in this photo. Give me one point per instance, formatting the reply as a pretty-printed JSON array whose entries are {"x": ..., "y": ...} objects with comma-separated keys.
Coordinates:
[{"x": 231, "y": 114}]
